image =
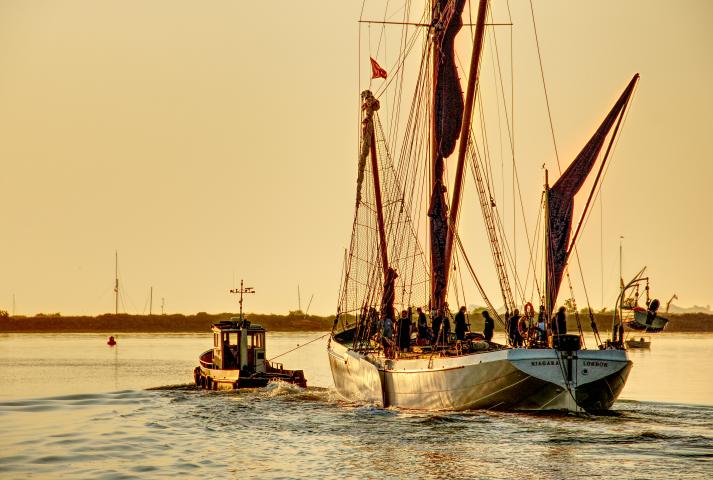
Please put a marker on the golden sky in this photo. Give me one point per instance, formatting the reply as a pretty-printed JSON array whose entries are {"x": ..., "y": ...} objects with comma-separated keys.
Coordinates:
[{"x": 213, "y": 141}]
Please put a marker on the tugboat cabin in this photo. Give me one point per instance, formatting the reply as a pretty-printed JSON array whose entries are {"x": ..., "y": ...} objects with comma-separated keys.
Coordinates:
[{"x": 238, "y": 346}]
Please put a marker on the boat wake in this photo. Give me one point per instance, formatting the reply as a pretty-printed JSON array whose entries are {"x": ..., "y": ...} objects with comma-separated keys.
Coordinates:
[
  {"x": 181, "y": 386},
  {"x": 274, "y": 390}
]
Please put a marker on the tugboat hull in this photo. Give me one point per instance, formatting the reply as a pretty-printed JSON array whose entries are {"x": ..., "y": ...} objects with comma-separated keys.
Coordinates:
[{"x": 207, "y": 377}]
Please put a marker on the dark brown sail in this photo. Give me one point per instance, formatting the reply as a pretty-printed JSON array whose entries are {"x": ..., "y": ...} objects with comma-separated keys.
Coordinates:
[
  {"x": 560, "y": 198},
  {"x": 447, "y": 118},
  {"x": 448, "y": 94}
]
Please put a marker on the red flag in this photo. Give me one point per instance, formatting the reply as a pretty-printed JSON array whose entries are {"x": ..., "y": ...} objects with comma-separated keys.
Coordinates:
[{"x": 376, "y": 70}]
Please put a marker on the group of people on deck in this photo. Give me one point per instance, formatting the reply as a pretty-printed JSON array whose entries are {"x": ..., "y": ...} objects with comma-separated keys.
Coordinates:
[
  {"x": 397, "y": 334},
  {"x": 558, "y": 326}
]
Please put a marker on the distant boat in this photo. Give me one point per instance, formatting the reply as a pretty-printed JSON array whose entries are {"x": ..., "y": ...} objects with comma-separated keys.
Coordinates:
[
  {"x": 634, "y": 316},
  {"x": 647, "y": 319},
  {"x": 641, "y": 342}
]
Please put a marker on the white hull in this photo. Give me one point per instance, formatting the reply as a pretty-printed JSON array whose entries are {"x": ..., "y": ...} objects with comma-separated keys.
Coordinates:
[{"x": 509, "y": 379}]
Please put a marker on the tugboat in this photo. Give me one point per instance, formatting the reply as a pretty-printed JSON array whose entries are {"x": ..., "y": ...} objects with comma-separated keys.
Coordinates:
[{"x": 237, "y": 359}]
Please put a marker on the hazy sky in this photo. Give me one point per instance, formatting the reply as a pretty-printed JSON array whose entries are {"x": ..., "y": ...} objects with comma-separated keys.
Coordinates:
[{"x": 212, "y": 141}]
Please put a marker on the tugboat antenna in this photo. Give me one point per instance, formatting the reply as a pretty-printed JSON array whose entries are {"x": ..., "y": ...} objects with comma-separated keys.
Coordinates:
[{"x": 241, "y": 291}]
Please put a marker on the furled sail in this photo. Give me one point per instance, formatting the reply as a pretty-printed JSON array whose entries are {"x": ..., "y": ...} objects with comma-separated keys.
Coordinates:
[
  {"x": 448, "y": 115},
  {"x": 449, "y": 96},
  {"x": 561, "y": 196}
]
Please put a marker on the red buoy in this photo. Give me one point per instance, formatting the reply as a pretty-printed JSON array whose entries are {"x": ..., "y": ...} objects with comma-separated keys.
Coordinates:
[{"x": 111, "y": 342}]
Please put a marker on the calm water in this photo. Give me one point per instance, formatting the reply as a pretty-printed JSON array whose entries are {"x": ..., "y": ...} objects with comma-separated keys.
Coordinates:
[{"x": 71, "y": 407}]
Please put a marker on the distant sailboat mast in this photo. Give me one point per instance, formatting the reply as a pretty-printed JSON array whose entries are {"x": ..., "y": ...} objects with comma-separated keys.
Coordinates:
[{"x": 116, "y": 282}]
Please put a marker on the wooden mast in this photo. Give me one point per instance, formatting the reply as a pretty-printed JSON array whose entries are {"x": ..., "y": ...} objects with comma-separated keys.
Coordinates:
[
  {"x": 377, "y": 199},
  {"x": 435, "y": 55},
  {"x": 368, "y": 147},
  {"x": 465, "y": 129},
  {"x": 548, "y": 256}
]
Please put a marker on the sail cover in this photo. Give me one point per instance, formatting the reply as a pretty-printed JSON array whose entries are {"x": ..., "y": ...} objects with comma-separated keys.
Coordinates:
[
  {"x": 561, "y": 196},
  {"x": 449, "y": 96}
]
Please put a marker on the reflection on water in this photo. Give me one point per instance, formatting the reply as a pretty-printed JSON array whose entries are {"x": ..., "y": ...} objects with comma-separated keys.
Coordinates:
[{"x": 72, "y": 407}]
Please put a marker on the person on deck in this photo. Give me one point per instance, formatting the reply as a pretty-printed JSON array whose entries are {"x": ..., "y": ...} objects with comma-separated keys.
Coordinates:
[
  {"x": 405, "y": 331},
  {"x": 423, "y": 334},
  {"x": 446, "y": 325},
  {"x": 488, "y": 327},
  {"x": 387, "y": 334},
  {"x": 436, "y": 326},
  {"x": 513, "y": 332},
  {"x": 561, "y": 321},
  {"x": 542, "y": 324},
  {"x": 461, "y": 325}
]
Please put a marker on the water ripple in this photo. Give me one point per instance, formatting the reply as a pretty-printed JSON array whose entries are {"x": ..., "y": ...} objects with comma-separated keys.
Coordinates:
[{"x": 286, "y": 431}]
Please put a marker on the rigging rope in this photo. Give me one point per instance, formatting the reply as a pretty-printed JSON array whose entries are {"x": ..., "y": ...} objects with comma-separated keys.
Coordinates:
[
  {"x": 477, "y": 282},
  {"x": 544, "y": 87},
  {"x": 559, "y": 167},
  {"x": 298, "y": 347}
]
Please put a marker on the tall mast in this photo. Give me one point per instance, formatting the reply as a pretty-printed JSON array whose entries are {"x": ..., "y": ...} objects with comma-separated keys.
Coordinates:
[
  {"x": 436, "y": 53},
  {"x": 465, "y": 128},
  {"x": 368, "y": 149},
  {"x": 377, "y": 199},
  {"x": 548, "y": 267},
  {"x": 435, "y": 174},
  {"x": 150, "y": 300}
]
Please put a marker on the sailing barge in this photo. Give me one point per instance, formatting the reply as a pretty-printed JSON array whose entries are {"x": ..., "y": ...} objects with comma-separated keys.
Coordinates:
[{"x": 387, "y": 267}]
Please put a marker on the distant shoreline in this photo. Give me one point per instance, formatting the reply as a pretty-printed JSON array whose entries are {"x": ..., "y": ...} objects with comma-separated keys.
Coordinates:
[
  {"x": 293, "y": 322},
  {"x": 174, "y": 323}
]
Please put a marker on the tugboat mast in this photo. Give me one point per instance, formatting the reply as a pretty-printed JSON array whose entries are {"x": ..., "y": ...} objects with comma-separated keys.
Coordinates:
[{"x": 241, "y": 291}]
